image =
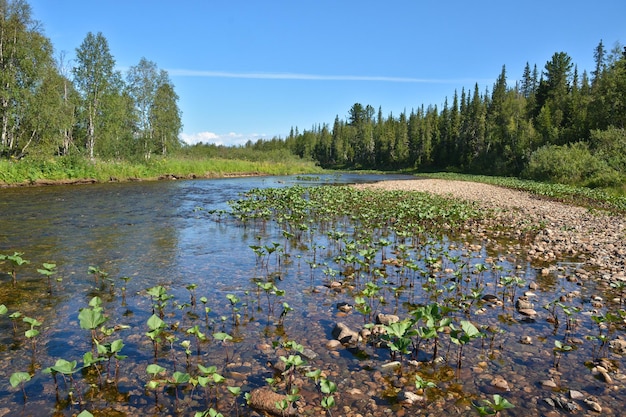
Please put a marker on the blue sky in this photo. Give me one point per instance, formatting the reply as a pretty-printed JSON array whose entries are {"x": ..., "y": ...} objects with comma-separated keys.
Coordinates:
[{"x": 253, "y": 69}]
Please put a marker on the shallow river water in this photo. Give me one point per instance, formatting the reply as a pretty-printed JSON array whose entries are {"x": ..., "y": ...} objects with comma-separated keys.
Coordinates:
[{"x": 171, "y": 234}]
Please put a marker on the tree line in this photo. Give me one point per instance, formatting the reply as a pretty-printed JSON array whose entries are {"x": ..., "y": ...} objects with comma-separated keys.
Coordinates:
[
  {"x": 89, "y": 108},
  {"x": 556, "y": 124}
]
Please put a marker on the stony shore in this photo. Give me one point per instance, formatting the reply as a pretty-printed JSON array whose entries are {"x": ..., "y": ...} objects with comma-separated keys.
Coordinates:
[{"x": 549, "y": 232}]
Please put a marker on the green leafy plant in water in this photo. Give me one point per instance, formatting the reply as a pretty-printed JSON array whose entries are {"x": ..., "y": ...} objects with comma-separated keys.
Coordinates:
[
  {"x": 234, "y": 300},
  {"x": 207, "y": 309},
  {"x": 66, "y": 369},
  {"x": 434, "y": 321},
  {"x": 605, "y": 323},
  {"x": 192, "y": 293},
  {"x": 160, "y": 297},
  {"x": 47, "y": 270},
  {"x": 16, "y": 261},
  {"x": 156, "y": 326},
  {"x": 32, "y": 333},
  {"x": 510, "y": 284},
  {"x": 224, "y": 338},
  {"x": 286, "y": 310},
  {"x": 210, "y": 378},
  {"x": 154, "y": 371},
  {"x": 463, "y": 336},
  {"x": 399, "y": 337},
  {"x": 270, "y": 289},
  {"x": 14, "y": 317},
  {"x": 422, "y": 385},
  {"x": 493, "y": 408},
  {"x": 125, "y": 280},
  {"x": 328, "y": 388},
  {"x": 20, "y": 379},
  {"x": 178, "y": 379},
  {"x": 111, "y": 351},
  {"x": 200, "y": 337},
  {"x": 286, "y": 404},
  {"x": 93, "y": 317},
  {"x": 235, "y": 392},
  {"x": 558, "y": 350},
  {"x": 97, "y": 273}
]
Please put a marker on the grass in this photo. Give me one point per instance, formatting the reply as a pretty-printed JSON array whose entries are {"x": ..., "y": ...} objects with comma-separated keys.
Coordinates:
[{"x": 77, "y": 168}]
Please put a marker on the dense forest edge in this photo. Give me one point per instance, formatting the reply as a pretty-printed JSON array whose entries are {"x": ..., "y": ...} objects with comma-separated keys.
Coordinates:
[{"x": 90, "y": 122}]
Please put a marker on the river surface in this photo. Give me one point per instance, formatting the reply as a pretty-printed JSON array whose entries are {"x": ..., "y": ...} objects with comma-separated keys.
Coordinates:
[
  {"x": 171, "y": 234},
  {"x": 152, "y": 232}
]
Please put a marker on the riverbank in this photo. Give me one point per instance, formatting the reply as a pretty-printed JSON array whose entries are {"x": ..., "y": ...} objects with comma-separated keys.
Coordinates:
[
  {"x": 549, "y": 232},
  {"x": 70, "y": 171}
]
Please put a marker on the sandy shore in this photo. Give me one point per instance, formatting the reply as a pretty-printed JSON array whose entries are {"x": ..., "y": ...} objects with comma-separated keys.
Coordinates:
[{"x": 548, "y": 231}]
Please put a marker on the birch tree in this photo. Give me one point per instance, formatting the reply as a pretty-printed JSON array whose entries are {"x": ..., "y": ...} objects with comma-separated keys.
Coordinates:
[{"x": 94, "y": 77}]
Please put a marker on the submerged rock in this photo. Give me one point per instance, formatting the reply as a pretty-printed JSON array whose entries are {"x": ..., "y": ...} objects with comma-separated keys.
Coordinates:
[
  {"x": 264, "y": 400},
  {"x": 344, "y": 334},
  {"x": 386, "y": 319}
]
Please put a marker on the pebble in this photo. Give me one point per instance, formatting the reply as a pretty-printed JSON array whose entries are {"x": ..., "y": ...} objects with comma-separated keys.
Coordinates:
[
  {"x": 500, "y": 383},
  {"x": 548, "y": 383},
  {"x": 333, "y": 344},
  {"x": 593, "y": 405}
]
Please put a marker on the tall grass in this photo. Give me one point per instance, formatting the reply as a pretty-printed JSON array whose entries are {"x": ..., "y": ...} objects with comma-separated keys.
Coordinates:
[{"x": 30, "y": 171}]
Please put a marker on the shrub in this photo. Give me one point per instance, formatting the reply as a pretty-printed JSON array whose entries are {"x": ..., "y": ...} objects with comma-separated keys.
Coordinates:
[{"x": 572, "y": 164}]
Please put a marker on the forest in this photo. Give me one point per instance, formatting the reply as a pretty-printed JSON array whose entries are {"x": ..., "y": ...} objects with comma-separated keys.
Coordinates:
[
  {"x": 90, "y": 109},
  {"x": 556, "y": 124}
]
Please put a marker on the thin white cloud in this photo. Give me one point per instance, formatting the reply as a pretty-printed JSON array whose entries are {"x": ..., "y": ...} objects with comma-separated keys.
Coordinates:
[
  {"x": 309, "y": 77},
  {"x": 226, "y": 139}
]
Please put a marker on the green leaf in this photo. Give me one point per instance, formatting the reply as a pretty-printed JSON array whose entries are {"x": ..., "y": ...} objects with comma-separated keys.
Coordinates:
[
  {"x": 64, "y": 367},
  {"x": 90, "y": 319},
  {"x": 328, "y": 402},
  {"x": 469, "y": 328},
  {"x": 234, "y": 390},
  {"x": 154, "y": 369},
  {"x": 18, "y": 378},
  {"x": 222, "y": 336},
  {"x": 327, "y": 387},
  {"x": 181, "y": 377},
  {"x": 155, "y": 323},
  {"x": 117, "y": 345},
  {"x": 501, "y": 402},
  {"x": 207, "y": 370},
  {"x": 3, "y": 310},
  {"x": 31, "y": 333},
  {"x": 85, "y": 413}
]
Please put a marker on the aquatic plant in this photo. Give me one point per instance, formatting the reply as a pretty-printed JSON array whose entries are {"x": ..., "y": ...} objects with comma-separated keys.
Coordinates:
[
  {"x": 47, "y": 270},
  {"x": 493, "y": 408},
  {"x": 32, "y": 332},
  {"x": 91, "y": 318},
  {"x": 224, "y": 338},
  {"x": 97, "y": 273},
  {"x": 20, "y": 379},
  {"x": 16, "y": 261},
  {"x": 462, "y": 336},
  {"x": 233, "y": 299},
  {"x": 156, "y": 326},
  {"x": 160, "y": 297}
]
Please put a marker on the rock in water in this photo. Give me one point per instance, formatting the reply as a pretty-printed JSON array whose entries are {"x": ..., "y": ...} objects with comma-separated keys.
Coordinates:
[
  {"x": 386, "y": 319},
  {"x": 344, "y": 334},
  {"x": 264, "y": 400}
]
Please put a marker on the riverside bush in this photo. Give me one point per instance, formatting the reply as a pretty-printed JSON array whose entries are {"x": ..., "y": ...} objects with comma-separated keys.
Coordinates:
[{"x": 572, "y": 164}]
